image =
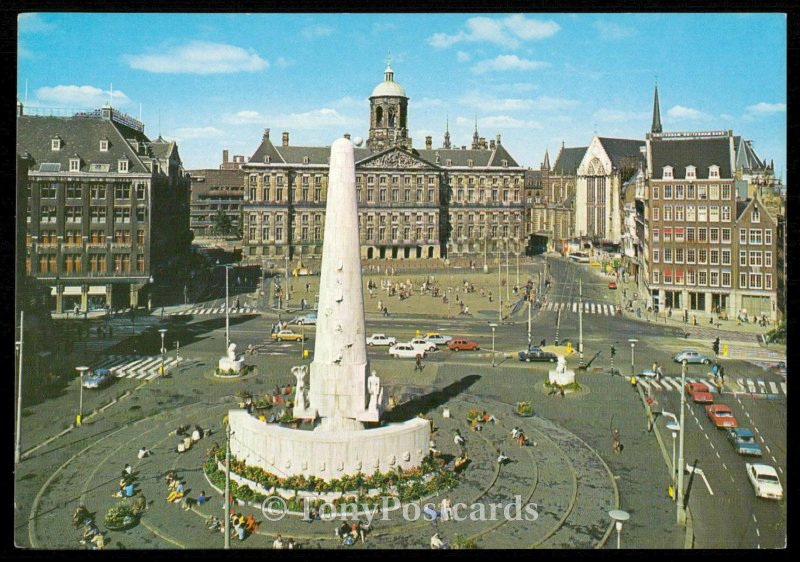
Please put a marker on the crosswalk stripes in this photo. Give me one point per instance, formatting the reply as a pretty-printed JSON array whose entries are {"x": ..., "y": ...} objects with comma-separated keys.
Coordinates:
[
  {"x": 215, "y": 310},
  {"x": 140, "y": 367},
  {"x": 739, "y": 385},
  {"x": 588, "y": 307}
]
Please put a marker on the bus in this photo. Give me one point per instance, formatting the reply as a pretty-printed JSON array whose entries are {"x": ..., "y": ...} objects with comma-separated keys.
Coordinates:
[{"x": 579, "y": 257}]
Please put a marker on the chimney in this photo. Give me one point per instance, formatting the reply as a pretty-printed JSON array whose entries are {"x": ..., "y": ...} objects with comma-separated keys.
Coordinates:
[
  {"x": 346, "y": 135},
  {"x": 483, "y": 142},
  {"x": 428, "y": 142},
  {"x": 491, "y": 144},
  {"x": 20, "y": 109},
  {"x": 266, "y": 134},
  {"x": 498, "y": 140},
  {"x": 463, "y": 147},
  {"x": 285, "y": 138},
  {"x": 225, "y": 156}
]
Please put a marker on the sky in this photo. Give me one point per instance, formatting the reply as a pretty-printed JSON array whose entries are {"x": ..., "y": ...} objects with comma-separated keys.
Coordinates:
[{"x": 215, "y": 81}]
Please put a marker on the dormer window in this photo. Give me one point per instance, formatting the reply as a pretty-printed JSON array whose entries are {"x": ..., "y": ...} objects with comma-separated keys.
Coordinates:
[
  {"x": 74, "y": 164},
  {"x": 504, "y": 163},
  {"x": 122, "y": 165},
  {"x": 713, "y": 171},
  {"x": 755, "y": 216},
  {"x": 667, "y": 173},
  {"x": 267, "y": 159},
  {"x": 469, "y": 162},
  {"x": 104, "y": 145},
  {"x": 55, "y": 144},
  {"x": 691, "y": 173},
  {"x": 305, "y": 159}
]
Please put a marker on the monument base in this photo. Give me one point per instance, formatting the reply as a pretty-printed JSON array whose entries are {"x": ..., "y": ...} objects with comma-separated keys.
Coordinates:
[
  {"x": 562, "y": 379},
  {"x": 328, "y": 455},
  {"x": 227, "y": 364}
]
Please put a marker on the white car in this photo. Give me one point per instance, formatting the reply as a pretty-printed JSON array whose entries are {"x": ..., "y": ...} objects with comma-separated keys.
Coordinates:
[
  {"x": 423, "y": 345},
  {"x": 380, "y": 339},
  {"x": 437, "y": 338},
  {"x": 765, "y": 481},
  {"x": 405, "y": 350}
]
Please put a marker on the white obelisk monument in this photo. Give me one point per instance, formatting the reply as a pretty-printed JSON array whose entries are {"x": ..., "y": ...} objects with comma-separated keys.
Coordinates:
[{"x": 342, "y": 391}]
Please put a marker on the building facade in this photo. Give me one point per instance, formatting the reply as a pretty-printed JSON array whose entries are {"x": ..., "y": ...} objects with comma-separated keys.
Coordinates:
[
  {"x": 413, "y": 203},
  {"x": 107, "y": 209},
  {"x": 217, "y": 193}
]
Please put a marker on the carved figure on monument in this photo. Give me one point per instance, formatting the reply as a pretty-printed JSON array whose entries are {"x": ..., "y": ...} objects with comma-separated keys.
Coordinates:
[
  {"x": 300, "y": 373},
  {"x": 561, "y": 366},
  {"x": 374, "y": 389},
  {"x": 232, "y": 352}
]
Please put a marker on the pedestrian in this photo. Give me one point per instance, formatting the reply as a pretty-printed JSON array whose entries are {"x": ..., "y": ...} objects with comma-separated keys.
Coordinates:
[
  {"x": 458, "y": 440},
  {"x": 386, "y": 311},
  {"x": 659, "y": 372},
  {"x": 308, "y": 285},
  {"x": 418, "y": 366},
  {"x": 616, "y": 442},
  {"x": 380, "y": 305},
  {"x": 685, "y": 316},
  {"x": 502, "y": 459}
]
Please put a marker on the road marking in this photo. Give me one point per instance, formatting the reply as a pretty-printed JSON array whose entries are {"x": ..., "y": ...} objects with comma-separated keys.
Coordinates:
[
  {"x": 773, "y": 387},
  {"x": 732, "y": 480},
  {"x": 725, "y": 467},
  {"x": 747, "y": 414},
  {"x": 779, "y": 468},
  {"x": 774, "y": 459},
  {"x": 767, "y": 448},
  {"x": 783, "y": 387},
  {"x": 706, "y": 436},
  {"x": 756, "y": 430},
  {"x": 757, "y": 533},
  {"x": 762, "y": 439},
  {"x": 754, "y": 518},
  {"x": 712, "y": 446},
  {"x": 719, "y": 457}
]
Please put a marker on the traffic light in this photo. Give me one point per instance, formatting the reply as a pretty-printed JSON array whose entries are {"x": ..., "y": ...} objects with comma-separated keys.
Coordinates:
[
  {"x": 715, "y": 346},
  {"x": 613, "y": 351}
]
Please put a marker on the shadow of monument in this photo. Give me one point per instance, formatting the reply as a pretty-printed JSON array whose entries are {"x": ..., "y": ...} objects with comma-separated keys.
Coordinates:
[{"x": 427, "y": 402}]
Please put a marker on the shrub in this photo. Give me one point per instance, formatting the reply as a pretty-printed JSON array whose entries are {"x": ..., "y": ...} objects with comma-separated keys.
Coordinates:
[{"x": 524, "y": 408}]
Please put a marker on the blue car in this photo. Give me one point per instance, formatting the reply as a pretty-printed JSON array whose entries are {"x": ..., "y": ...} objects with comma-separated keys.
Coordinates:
[
  {"x": 97, "y": 379},
  {"x": 744, "y": 442}
]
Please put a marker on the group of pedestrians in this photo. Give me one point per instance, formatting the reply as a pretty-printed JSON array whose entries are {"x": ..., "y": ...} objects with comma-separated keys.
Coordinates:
[{"x": 349, "y": 534}]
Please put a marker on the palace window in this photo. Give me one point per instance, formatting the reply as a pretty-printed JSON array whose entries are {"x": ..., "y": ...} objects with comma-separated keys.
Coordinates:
[
  {"x": 755, "y": 236},
  {"x": 714, "y": 278},
  {"x": 656, "y": 255},
  {"x": 702, "y": 255},
  {"x": 714, "y": 235},
  {"x": 678, "y": 192},
  {"x": 702, "y": 192},
  {"x": 691, "y": 255},
  {"x": 691, "y": 213},
  {"x": 713, "y": 213},
  {"x": 726, "y": 213},
  {"x": 726, "y": 192},
  {"x": 755, "y": 259},
  {"x": 755, "y": 280},
  {"x": 768, "y": 236},
  {"x": 74, "y": 164},
  {"x": 714, "y": 257},
  {"x": 667, "y": 192},
  {"x": 713, "y": 192},
  {"x": 122, "y": 165},
  {"x": 702, "y": 213},
  {"x": 743, "y": 280},
  {"x": 742, "y": 258},
  {"x": 768, "y": 281},
  {"x": 655, "y": 191},
  {"x": 690, "y": 191},
  {"x": 726, "y": 257},
  {"x": 690, "y": 234}
]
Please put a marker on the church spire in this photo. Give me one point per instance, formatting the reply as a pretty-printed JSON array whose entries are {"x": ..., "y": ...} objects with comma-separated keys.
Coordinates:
[
  {"x": 546, "y": 163},
  {"x": 656, "y": 128},
  {"x": 446, "y": 143},
  {"x": 476, "y": 139}
]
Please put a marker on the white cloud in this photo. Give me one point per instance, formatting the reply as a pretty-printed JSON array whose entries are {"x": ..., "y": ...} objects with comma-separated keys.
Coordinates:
[
  {"x": 764, "y": 108},
  {"x": 611, "y": 31},
  {"x": 681, "y": 112},
  {"x": 317, "y": 30},
  {"x": 282, "y": 62},
  {"x": 461, "y": 56},
  {"x": 315, "y": 119},
  {"x": 516, "y": 87},
  {"x": 33, "y": 23},
  {"x": 80, "y": 96},
  {"x": 605, "y": 115},
  {"x": 185, "y": 133},
  {"x": 426, "y": 103},
  {"x": 506, "y": 32},
  {"x": 503, "y": 63},
  {"x": 199, "y": 57},
  {"x": 546, "y": 103},
  {"x": 491, "y": 103},
  {"x": 498, "y": 122},
  {"x": 351, "y": 102},
  {"x": 244, "y": 117}
]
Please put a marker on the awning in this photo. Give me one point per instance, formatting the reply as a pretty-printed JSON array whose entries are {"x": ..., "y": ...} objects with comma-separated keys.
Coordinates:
[
  {"x": 97, "y": 290},
  {"x": 678, "y": 274},
  {"x": 679, "y": 231},
  {"x": 667, "y": 230},
  {"x": 667, "y": 273},
  {"x": 67, "y": 291}
]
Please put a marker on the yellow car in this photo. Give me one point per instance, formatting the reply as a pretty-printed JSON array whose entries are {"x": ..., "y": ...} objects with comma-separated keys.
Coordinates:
[
  {"x": 594, "y": 263},
  {"x": 287, "y": 335}
]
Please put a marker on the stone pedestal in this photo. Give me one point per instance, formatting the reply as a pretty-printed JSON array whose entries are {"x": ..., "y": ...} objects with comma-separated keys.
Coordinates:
[
  {"x": 562, "y": 379},
  {"x": 231, "y": 362}
]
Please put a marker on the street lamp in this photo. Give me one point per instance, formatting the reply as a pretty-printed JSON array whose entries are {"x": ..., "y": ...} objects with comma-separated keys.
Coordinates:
[
  {"x": 19, "y": 346},
  {"x": 633, "y": 368},
  {"x": 493, "y": 325},
  {"x": 675, "y": 428},
  {"x": 81, "y": 372},
  {"x": 150, "y": 296},
  {"x": 163, "y": 332},
  {"x": 619, "y": 517},
  {"x": 580, "y": 323},
  {"x": 286, "y": 277},
  {"x": 507, "y": 243},
  {"x": 681, "y": 509}
]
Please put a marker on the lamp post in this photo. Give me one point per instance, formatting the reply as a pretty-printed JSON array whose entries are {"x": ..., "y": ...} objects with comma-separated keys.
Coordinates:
[
  {"x": 150, "y": 296},
  {"x": 674, "y": 427},
  {"x": 227, "y": 310},
  {"x": 81, "y": 372},
  {"x": 619, "y": 518},
  {"x": 517, "y": 254},
  {"x": 286, "y": 277},
  {"x": 681, "y": 509},
  {"x": 163, "y": 332},
  {"x": 499, "y": 288},
  {"x": 227, "y": 501},
  {"x": 580, "y": 322},
  {"x": 506, "y": 241},
  {"x": 493, "y": 326},
  {"x": 529, "y": 321},
  {"x": 17, "y": 445},
  {"x": 633, "y": 355},
  {"x": 485, "y": 242}
]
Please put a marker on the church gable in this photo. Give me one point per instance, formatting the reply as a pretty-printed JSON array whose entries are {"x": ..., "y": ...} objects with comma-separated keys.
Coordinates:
[{"x": 394, "y": 158}]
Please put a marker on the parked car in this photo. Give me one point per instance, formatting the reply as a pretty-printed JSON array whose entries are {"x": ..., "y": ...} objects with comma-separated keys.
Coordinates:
[
  {"x": 423, "y": 345},
  {"x": 721, "y": 416},
  {"x": 380, "y": 339},
  {"x": 437, "y": 338},
  {"x": 462, "y": 344},
  {"x": 691, "y": 356},
  {"x": 744, "y": 442},
  {"x": 309, "y": 319},
  {"x": 612, "y": 284},
  {"x": 579, "y": 257},
  {"x": 699, "y": 393},
  {"x": 765, "y": 481},
  {"x": 287, "y": 335},
  {"x": 405, "y": 350},
  {"x": 536, "y": 354},
  {"x": 98, "y": 379}
]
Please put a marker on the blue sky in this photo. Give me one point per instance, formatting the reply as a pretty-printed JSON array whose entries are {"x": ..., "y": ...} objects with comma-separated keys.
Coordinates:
[{"x": 215, "y": 81}]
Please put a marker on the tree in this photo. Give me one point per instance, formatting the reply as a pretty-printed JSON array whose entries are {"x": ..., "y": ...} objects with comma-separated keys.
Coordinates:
[{"x": 223, "y": 225}]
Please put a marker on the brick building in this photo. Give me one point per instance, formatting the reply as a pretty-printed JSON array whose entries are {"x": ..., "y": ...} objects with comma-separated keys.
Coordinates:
[{"x": 107, "y": 209}]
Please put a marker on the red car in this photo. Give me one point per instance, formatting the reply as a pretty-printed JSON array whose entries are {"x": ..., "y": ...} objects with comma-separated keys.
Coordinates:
[
  {"x": 699, "y": 393},
  {"x": 462, "y": 344},
  {"x": 612, "y": 284},
  {"x": 721, "y": 416}
]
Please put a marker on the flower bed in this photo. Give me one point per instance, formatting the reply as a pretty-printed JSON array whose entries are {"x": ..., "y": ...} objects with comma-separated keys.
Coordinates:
[
  {"x": 524, "y": 409},
  {"x": 250, "y": 483},
  {"x": 120, "y": 517}
]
